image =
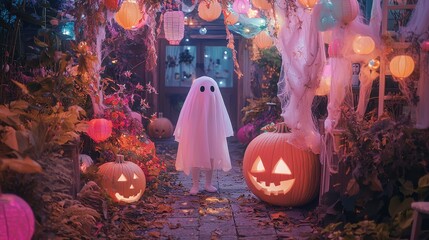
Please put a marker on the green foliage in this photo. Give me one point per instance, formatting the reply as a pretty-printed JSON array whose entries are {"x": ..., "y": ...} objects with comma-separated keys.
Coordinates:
[
  {"x": 269, "y": 64},
  {"x": 386, "y": 164}
]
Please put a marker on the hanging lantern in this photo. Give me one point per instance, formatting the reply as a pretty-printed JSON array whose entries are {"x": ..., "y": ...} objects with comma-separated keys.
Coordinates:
[
  {"x": 123, "y": 181},
  {"x": 209, "y": 10},
  {"x": 425, "y": 46},
  {"x": 401, "y": 66},
  {"x": 16, "y": 218},
  {"x": 263, "y": 40},
  {"x": 241, "y": 6},
  {"x": 129, "y": 15},
  {"x": 279, "y": 173},
  {"x": 99, "y": 129},
  {"x": 373, "y": 64},
  {"x": 363, "y": 45},
  {"x": 112, "y": 5},
  {"x": 261, "y": 4},
  {"x": 345, "y": 11},
  {"x": 325, "y": 81},
  {"x": 231, "y": 18},
  {"x": 308, "y": 4},
  {"x": 174, "y": 26}
]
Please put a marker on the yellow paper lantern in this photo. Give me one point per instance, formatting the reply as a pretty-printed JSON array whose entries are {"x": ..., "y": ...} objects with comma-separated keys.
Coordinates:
[
  {"x": 401, "y": 66},
  {"x": 363, "y": 45},
  {"x": 129, "y": 15},
  {"x": 325, "y": 81},
  {"x": 309, "y": 4},
  {"x": 263, "y": 40},
  {"x": 174, "y": 26},
  {"x": 209, "y": 10},
  {"x": 261, "y": 4}
]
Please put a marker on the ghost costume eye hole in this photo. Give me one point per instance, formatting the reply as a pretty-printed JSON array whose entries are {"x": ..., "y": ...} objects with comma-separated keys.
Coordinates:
[
  {"x": 212, "y": 89},
  {"x": 202, "y": 88}
]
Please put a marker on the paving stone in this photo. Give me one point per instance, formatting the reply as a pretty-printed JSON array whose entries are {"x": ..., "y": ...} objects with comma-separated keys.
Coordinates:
[
  {"x": 184, "y": 222},
  {"x": 251, "y": 231}
]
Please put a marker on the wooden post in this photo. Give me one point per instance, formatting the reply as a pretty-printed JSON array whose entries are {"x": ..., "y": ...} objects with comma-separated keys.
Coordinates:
[{"x": 71, "y": 151}]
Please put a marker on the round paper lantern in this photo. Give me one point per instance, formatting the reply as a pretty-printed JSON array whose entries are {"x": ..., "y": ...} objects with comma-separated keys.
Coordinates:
[
  {"x": 174, "y": 26},
  {"x": 231, "y": 18},
  {"x": 363, "y": 45},
  {"x": 261, "y": 4},
  {"x": 308, "y": 4},
  {"x": 129, "y": 15},
  {"x": 85, "y": 162},
  {"x": 345, "y": 11},
  {"x": 16, "y": 218},
  {"x": 123, "y": 181},
  {"x": 99, "y": 129},
  {"x": 241, "y": 6},
  {"x": 160, "y": 128},
  {"x": 112, "y": 5},
  {"x": 279, "y": 173},
  {"x": 401, "y": 66},
  {"x": 263, "y": 40},
  {"x": 425, "y": 46},
  {"x": 209, "y": 11}
]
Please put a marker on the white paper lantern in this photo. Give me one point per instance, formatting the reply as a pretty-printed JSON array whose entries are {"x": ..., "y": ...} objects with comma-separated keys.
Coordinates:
[{"x": 174, "y": 26}]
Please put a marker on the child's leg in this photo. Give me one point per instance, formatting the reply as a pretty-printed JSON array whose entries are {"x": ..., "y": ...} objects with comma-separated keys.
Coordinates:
[
  {"x": 209, "y": 186},
  {"x": 195, "y": 181}
]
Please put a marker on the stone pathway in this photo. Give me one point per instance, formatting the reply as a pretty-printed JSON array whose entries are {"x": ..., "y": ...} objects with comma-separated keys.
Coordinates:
[{"x": 231, "y": 213}]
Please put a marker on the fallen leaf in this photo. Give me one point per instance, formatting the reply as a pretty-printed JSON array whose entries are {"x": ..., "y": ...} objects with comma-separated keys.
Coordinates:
[
  {"x": 279, "y": 215},
  {"x": 155, "y": 234}
]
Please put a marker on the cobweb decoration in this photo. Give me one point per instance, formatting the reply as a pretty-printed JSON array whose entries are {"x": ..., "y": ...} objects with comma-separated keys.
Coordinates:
[{"x": 303, "y": 58}]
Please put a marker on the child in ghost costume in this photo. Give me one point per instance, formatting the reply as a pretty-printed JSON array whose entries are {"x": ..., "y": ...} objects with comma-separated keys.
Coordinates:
[{"x": 201, "y": 130}]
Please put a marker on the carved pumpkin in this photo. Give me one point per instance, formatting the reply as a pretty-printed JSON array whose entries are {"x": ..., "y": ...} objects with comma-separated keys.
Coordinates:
[
  {"x": 99, "y": 129},
  {"x": 279, "y": 173},
  {"x": 123, "y": 181},
  {"x": 16, "y": 218},
  {"x": 160, "y": 128}
]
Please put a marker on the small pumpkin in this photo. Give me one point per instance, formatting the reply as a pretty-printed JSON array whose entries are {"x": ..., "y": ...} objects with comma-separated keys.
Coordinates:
[
  {"x": 123, "y": 181},
  {"x": 16, "y": 218},
  {"x": 279, "y": 173},
  {"x": 160, "y": 127}
]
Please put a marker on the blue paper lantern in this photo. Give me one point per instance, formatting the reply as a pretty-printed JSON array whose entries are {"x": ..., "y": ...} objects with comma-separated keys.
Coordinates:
[{"x": 248, "y": 27}]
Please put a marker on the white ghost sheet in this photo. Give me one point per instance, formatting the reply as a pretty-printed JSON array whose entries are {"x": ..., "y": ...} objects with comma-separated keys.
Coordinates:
[{"x": 202, "y": 129}]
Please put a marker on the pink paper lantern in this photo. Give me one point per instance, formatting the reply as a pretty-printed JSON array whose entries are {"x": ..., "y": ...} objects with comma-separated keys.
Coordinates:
[
  {"x": 174, "y": 26},
  {"x": 345, "y": 11},
  {"x": 16, "y": 218},
  {"x": 99, "y": 129},
  {"x": 241, "y": 6}
]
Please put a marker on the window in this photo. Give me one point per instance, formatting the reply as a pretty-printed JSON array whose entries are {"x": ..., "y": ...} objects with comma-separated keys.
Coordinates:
[{"x": 180, "y": 64}]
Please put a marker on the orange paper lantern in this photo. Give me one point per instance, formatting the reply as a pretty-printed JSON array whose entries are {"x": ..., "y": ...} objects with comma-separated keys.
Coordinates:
[
  {"x": 261, "y": 4},
  {"x": 209, "y": 10},
  {"x": 345, "y": 11},
  {"x": 99, "y": 129},
  {"x": 174, "y": 26},
  {"x": 16, "y": 218},
  {"x": 279, "y": 173},
  {"x": 401, "y": 66},
  {"x": 129, "y": 15},
  {"x": 123, "y": 181},
  {"x": 308, "y": 4},
  {"x": 363, "y": 45},
  {"x": 263, "y": 40}
]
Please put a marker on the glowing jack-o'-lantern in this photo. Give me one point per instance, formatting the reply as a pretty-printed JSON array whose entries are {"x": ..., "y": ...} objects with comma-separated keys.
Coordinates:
[
  {"x": 279, "y": 173},
  {"x": 123, "y": 181}
]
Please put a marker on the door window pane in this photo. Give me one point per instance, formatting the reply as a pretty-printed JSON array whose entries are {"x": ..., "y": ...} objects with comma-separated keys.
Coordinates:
[
  {"x": 218, "y": 65},
  {"x": 180, "y": 63}
]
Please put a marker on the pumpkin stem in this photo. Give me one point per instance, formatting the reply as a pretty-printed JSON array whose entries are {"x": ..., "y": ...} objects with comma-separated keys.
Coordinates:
[
  {"x": 120, "y": 158},
  {"x": 281, "y": 128}
]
